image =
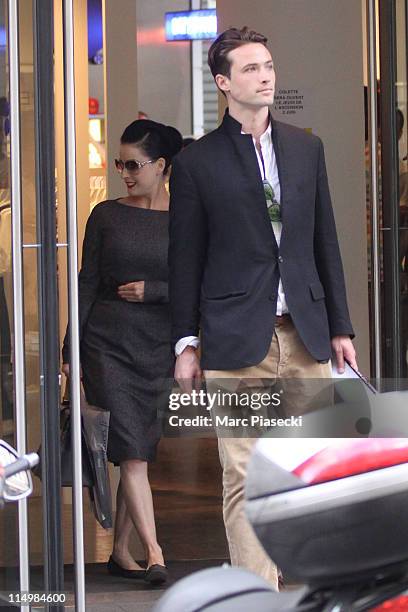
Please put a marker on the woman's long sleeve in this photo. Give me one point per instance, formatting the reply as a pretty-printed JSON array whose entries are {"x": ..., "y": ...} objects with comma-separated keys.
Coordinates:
[
  {"x": 89, "y": 276},
  {"x": 156, "y": 292}
]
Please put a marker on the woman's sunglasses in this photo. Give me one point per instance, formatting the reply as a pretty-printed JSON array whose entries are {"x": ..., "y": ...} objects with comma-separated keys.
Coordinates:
[{"x": 131, "y": 165}]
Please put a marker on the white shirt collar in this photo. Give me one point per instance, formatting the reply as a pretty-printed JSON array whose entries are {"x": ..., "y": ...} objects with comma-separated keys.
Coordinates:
[{"x": 267, "y": 133}]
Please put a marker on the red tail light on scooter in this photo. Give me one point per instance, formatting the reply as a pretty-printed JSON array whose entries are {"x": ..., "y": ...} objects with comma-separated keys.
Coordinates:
[
  {"x": 398, "y": 604},
  {"x": 355, "y": 456}
]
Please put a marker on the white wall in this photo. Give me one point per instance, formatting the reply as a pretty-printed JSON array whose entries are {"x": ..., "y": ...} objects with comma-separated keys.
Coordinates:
[
  {"x": 317, "y": 49},
  {"x": 164, "y": 68},
  {"x": 120, "y": 81}
]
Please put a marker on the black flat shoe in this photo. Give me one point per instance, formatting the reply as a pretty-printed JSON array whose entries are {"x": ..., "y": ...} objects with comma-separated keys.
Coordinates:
[
  {"x": 156, "y": 574},
  {"x": 117, "y": 570}
]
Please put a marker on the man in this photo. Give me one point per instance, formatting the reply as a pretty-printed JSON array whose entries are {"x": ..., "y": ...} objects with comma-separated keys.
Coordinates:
[{"x": 254, "y": 259}]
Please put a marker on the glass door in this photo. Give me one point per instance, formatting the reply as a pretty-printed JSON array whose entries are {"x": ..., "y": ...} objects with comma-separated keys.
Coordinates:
[
  {"x": 389, "y": 287},
  {"x": 31, "y": 533},
  {"x": 402, "y": 151},
  {"x": 9, "y": 553}
]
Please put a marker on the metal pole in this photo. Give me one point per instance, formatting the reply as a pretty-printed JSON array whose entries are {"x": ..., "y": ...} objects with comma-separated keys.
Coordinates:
[
  {"x": 390, "y": 188},
  {"x": 406, "y": 69},
  {"x": 70, "y": 155},
  {"x": 375, "y": 251},
  {"x": 197, "y": 89},
  {"x": 48, "y": 295},
  {"x": 18, "y": 285}
]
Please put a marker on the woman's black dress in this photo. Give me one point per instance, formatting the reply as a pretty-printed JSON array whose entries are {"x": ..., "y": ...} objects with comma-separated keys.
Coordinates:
[{"x": 126, "y": 356}]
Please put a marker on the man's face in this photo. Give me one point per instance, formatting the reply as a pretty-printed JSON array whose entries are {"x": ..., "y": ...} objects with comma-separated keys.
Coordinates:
[{"x": 252, "y": 79}]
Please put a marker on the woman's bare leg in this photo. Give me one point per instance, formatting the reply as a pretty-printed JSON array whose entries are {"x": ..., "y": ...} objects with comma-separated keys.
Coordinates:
[
  {"x": 137, "y": 495},
  {"x": 123, "y": 529}
]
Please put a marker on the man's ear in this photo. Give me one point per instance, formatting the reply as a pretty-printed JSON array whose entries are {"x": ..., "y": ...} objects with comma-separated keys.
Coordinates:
[{"x": 222, "y": 82}]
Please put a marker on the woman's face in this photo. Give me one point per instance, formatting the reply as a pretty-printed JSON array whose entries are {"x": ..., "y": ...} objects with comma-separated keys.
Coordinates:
[{"x": 140, "y": 181}]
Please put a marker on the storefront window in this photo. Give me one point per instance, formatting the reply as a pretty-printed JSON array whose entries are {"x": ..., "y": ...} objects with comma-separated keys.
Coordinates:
[{"x": 96, "y": 147}]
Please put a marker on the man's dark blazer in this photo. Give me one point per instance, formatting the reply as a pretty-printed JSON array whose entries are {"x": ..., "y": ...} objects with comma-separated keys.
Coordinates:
[{"x": 224, "y": 260}]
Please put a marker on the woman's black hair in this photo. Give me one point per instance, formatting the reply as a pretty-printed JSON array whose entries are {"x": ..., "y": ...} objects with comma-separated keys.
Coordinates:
[{"x": 155, "y": 139}]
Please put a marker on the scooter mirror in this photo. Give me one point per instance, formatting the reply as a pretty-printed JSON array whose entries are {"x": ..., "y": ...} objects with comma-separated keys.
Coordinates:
[{"x": 18, "y": 486}]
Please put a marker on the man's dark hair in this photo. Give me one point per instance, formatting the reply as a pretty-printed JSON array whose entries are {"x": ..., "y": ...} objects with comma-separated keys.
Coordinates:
[{"x": 228, "y": 41}]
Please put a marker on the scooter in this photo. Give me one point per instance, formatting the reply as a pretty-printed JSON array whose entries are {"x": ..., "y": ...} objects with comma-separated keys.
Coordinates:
[
  {"x": 15, "y": 477},
  {"x": 332, "y": 514}
]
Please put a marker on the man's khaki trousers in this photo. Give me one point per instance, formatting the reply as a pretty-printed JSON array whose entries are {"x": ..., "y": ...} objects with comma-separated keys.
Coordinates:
[{"x": 287, "y": 359}]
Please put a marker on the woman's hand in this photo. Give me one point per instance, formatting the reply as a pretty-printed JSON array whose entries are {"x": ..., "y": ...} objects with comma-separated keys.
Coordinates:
[{"x": 132, "y": 292}]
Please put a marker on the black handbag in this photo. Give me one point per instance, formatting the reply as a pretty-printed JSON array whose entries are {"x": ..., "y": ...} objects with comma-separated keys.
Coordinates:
[
  {"x": 95, "y": 475},
  {"x": 67, "y": 479},
  {"x": 66, "y": 452},
  {"x": 95, "y": 431}
]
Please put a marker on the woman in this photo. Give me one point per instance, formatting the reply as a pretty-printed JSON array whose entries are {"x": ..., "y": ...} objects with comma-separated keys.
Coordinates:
[{"x": 125, "y": 330}]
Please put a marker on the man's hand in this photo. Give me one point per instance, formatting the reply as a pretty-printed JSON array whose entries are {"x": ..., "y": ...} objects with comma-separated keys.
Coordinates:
[
  {"x": 188, "y": 373},
  {"x": 344, "y": 350},
  {"x": 132, "y": 292}
]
